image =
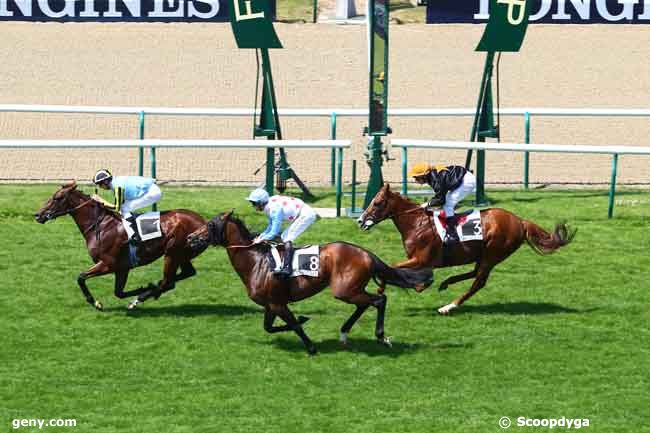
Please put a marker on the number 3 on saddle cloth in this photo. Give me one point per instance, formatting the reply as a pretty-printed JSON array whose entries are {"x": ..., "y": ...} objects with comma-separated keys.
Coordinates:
[
  {"x": 148, "y": 226},
  {"x": 306, "y": 261},
  {"x": 468, "y": 226}
]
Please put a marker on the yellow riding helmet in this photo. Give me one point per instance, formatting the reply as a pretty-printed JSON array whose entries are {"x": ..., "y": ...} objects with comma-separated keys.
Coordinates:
[{"x": 420, "y": 169}]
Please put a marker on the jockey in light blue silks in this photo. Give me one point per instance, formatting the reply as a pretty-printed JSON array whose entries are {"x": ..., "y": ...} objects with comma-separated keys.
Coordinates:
[
  {"x": 279, "y": 208},
  {"x": 131, "y": 193}
]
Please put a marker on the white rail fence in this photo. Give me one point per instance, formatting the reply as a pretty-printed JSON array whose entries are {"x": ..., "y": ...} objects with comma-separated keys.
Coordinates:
[{"x": 615, "y": 151}]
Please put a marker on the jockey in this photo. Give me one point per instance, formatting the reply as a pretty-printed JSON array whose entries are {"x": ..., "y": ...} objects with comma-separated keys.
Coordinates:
[
  {"x": 279, "y": 208},
  {"x": 451, "y": 184},
  {"x": 131, "y": 193}
]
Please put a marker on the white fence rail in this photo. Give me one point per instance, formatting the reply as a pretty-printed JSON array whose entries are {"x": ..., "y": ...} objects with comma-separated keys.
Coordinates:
[
  {"x": 615, "y": 151},
  {"x": 337, "y": 146}
]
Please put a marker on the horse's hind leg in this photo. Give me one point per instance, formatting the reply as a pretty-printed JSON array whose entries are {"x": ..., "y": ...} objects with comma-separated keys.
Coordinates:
[
  {"x": 293, "y": 323},
  {"x": 363, "y": 300},
  {"x": 481, "y": 278},
  {"x": 120, "y": 282},
  {"x": 166, "y": 284}
]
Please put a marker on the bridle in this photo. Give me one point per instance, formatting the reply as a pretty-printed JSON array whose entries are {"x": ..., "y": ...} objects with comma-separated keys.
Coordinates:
[{"x": 51, "y": 216}]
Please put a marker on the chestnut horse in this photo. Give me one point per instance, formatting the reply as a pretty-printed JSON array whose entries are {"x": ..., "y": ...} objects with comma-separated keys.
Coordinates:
[
  {"x": 503, "y": 234},
  {"x": 106, "y": 237},
  {"x": 346, "y": 268}
]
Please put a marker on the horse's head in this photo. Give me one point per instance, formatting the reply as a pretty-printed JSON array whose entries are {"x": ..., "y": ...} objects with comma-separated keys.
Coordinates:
[
  {"x": 378, "y": 210},
  {"x": 213, "y": 233},
  {"x": 57, "y": 205}
]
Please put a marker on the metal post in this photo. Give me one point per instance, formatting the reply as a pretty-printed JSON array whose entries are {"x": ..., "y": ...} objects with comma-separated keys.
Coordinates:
[
  {"x": 612, "y": 187},
  {"x": 141, "y": 149},
  {"x": 404, "y": 172},
  {"x": 339, "y": 181},
  {"x": 270, "y": 169},
  {"x": 315, "y": 12},
  {"x": 153, "y": 170},
  {"x": 526, "y": 154},
  {"x": 333, "y": 137},
  {"x": 354, "y": 186}
]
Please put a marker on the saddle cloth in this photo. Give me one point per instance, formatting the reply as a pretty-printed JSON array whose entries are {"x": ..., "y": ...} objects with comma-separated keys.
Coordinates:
[
  {"x": 469, "y": 227},
  {"x": 306, "y": 261},
  {"x": 148, "y": 225}
]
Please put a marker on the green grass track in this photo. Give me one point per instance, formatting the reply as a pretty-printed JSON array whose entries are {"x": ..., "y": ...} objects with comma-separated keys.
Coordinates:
[{"x": 564, "y": 335}]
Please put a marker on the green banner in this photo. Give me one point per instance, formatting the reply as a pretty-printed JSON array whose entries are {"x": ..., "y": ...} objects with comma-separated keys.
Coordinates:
[
  {"x": 507, "y": 26},
  {"x": 252, "y": 25}
]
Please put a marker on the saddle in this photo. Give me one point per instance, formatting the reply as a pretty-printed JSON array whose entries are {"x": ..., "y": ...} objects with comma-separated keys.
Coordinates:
[{"x": 306, "y": 260}]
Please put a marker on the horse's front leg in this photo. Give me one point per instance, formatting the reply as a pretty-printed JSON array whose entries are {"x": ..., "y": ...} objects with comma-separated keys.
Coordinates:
[
  {"x": 100, "y": 268},
  {"x": 269, "y": 318}
]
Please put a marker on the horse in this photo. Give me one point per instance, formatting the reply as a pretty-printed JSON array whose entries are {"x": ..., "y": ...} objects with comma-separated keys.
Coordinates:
[
  {"x": 503, "y": 234},
  {"x": 106, "y": 242},
  {"x": 345, "y": 267}
]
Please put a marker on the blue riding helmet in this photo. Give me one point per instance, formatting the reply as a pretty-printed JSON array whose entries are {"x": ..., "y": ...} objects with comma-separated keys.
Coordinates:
[
  {"x": 102, "y": 176},
  {"x": 258, "y": 196}
]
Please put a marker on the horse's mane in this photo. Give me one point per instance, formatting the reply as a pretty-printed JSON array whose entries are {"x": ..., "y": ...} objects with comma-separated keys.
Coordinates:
[{"x": 242, "y": 227}]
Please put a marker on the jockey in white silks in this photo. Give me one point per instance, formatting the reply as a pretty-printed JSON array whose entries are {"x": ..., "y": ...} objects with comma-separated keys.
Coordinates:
[{"x": 279, "y": 208}]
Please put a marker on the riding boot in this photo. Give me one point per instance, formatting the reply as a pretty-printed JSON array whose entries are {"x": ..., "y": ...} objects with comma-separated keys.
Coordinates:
[
  {"x": 286, "y": 260},
  {"x": 452, "y": 234},
  {"x": 135, "y": 239}
]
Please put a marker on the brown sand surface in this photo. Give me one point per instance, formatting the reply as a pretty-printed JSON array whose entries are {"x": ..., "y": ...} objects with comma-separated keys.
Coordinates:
[{"x": 198, "y": 65}]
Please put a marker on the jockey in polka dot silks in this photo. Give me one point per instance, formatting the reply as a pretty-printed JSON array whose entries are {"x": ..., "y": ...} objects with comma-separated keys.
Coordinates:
[
  {"x": 279, "y": 208},
  {"x": 131, "y": 193},
  {"x": 451, "y": 184}
]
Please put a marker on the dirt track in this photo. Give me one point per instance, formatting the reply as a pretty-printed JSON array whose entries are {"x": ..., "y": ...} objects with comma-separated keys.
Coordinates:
[{"x": 198, "y": 65}]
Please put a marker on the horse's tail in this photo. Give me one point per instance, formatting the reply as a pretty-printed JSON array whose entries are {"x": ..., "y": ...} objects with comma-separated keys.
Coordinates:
[
  {"x": 405, "y": 278},
  {"x": 543, "y": 242}
]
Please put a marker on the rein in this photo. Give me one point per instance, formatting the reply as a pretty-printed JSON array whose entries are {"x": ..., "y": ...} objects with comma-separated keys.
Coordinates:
[{"x": 74, "y": 209}]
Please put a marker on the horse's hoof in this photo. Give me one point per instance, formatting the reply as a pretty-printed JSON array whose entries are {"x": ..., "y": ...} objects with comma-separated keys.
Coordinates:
[
  {"x": 420, "y": 288},
  {"x": 442, "y": 287},
  {"x": 385, "y": 341},
  {"x": 302, "y": 319},
  {"x": 99, "y": 306},
  {"x": 343, "y": 338},
  {"x": 381, "y": 290},
  {"x": 133, "y": 304},
  {"x": 447, "y": 309},
  {"x": 312, "y": 350}
]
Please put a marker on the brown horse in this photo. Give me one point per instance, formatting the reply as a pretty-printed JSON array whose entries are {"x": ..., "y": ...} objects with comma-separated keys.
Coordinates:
[
  {"x": 106, "y": 237},
  {"x": 503, "y": 234},
  {"x": 346, "y": 268}
]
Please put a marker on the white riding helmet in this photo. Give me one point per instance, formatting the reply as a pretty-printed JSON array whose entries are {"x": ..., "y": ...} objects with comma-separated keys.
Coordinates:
[
  {"x": 258, "y": 196},
  {"x": 101, "y": 176}
]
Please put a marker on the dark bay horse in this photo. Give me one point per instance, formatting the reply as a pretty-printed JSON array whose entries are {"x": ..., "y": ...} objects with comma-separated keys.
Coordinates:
[
  {"x": 503, "y": 234},
  {"x": 105, "y": 238},
  {"x": 346, "y": 268}
]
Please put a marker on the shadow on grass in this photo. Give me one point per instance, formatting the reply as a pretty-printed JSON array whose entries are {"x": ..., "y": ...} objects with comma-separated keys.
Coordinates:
[
  {"x": 188, "y": 310},
  {"x": 367, "y": 346},
  {"x": 196, "y": 310},
  {"x": 513, "y": 308}
]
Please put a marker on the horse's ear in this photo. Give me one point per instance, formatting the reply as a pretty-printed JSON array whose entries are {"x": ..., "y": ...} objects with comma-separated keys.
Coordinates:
[
  {"x": 387, "y": 186},
  {"x": 227, "y": 215},
  {"x": 69, "y": 185}
]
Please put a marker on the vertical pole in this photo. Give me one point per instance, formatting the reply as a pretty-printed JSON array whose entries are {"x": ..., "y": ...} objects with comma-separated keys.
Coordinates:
[
  {"x": 481, "y": 200},
  {"x": 333, "y": 137},
  {"x": 153, "y": 169},
  {"x": 314, "y": 16},
  {"x": 354, "y": 186},
  {"x": 612, "y": 187},
  {"x": 339, "y": 181},
  {"x": 404, "y": 172},
  {"x": 141, "y": 149},
  {"x": 270, "y": 169},
  {"x": 526, "y": 154}
]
